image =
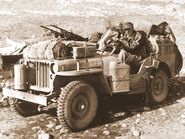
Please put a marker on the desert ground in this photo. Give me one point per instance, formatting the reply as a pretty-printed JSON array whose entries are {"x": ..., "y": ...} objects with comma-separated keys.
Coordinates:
[{"x": 124, "y": 117}]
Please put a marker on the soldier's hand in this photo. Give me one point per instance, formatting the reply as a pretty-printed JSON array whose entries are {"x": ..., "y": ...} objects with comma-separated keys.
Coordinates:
[{"x": 124, "y": 42}]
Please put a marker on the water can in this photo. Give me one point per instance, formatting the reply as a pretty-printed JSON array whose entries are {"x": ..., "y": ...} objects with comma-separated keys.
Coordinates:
[
  {"x": 119, "y": 73},
  {"x": 20, "y": 78}
]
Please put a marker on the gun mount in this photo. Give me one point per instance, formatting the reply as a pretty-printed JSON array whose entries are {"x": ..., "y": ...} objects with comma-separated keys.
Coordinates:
[{"x": 66, "y": 35}]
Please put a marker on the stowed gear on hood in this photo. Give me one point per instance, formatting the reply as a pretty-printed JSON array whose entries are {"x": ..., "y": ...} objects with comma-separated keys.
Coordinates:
[{"x": 57, "y": 49}]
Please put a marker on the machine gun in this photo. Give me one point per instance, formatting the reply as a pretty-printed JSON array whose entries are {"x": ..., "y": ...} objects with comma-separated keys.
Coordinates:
[{"x": 59, "y": 32}]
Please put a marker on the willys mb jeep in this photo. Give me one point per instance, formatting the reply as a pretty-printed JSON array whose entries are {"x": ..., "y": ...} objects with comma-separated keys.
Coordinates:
[{"x": 72, "y": 76}]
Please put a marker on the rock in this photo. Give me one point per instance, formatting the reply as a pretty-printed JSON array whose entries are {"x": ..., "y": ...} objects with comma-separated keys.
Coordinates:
[
  {"x": 106, "y": 133},
  {"x": 33, "y": 36},
  {"x": 58, "y": 127},
  {"x": 4, "y": 133},
  {"x": 63, "y": 131},
  {"x": 32, "y": 122},
  {"x": 48, "y": 118},
  {"x": 50, "y": 125},
  {"x": 182, "y": 101},
  {"x": 126, "y": 137},
  {"x": 124, "y": 125},
  {"x": 120, "y": 114},
  {"x": 150, "y": 123},
  {"x": 4, "y": 101},
  {"x": 42, "y": 119},
  {"x": 86, "y": 131},
  {"x": 45, "y": 136},
  {"x": 137, "y": 121},
  {"x": 54, "y": 120},
  {"x": 162, "y": 135},
  {"x": 146, "y": 108},
  {"x": 135, "y": 132},
  {"x": 163, "y": 111},
  {"x": 183, "y": 116},
  {"x": 94, "y": 136},
  {"x": 36, "y": 128},
  {"x": 120, "y": 137},
  {"x": 106, "y": 125},
  {"x": 182, "y": 122},
  {"x": 138, "y": 115}
]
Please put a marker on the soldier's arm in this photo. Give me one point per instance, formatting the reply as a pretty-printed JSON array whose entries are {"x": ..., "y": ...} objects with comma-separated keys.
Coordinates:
[
  {"x": 125, "y": 45},
  {"x": 131, "y": 46},
  {"x": 135, "y": 44}
]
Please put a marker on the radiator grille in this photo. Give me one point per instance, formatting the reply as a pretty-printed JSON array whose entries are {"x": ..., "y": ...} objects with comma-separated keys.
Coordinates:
[{"x": 42, "y": 74}]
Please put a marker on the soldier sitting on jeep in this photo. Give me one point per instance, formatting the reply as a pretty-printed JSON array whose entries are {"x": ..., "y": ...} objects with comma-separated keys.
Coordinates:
[{"x": 132, "y": 46}]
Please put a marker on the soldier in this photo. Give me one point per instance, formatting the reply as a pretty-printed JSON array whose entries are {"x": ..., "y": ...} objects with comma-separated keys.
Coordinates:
[
  {"x": 95, "y": 37},
  {"x": 132, "y": 46},
  {"x": 108, "y": 42}
]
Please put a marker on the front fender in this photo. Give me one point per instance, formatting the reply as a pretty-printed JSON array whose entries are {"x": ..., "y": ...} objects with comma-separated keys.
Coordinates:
[
  {"x": 95, "y": 78},
  {"x": 79, "y": 72}
]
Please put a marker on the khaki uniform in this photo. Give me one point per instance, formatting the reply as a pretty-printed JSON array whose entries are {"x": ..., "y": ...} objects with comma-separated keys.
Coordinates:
[{"x": 133, "y": 49}]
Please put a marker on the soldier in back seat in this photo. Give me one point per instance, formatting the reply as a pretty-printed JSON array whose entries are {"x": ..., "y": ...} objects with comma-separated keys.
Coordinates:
[{"x": 163, "y": 29}]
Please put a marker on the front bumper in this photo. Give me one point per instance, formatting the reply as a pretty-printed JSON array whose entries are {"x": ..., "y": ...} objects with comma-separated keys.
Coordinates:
[{"x": 26, "y": 96}]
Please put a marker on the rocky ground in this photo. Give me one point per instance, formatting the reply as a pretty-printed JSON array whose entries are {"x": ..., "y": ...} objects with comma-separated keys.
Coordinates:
[{"x": 126, "y": 117}]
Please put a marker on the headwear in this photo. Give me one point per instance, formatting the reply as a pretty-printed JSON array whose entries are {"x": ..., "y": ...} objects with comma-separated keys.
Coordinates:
[
  {"x": 126, "y": 25},
  {"x": 115, "y": 28},
  {"x": 121, "y": 25}
]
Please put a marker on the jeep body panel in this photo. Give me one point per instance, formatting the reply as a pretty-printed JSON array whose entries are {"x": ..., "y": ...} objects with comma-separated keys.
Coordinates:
[{"x": 169, "y": 60}]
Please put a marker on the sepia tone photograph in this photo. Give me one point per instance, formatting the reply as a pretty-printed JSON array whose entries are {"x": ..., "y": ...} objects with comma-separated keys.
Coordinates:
[{"x": 82, "y": 69}]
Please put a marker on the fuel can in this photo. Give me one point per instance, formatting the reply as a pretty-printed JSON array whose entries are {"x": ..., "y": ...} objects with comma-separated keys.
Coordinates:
[
  {"x": 119, "y": 73},
  {"x": 20, "y": 77}
]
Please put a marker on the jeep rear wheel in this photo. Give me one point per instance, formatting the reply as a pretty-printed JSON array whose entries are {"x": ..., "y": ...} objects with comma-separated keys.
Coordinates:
[
  {"x": 77, "y": 106},
  {"x": 23, "y": 108},
  {"x": 158, "y": 87}
]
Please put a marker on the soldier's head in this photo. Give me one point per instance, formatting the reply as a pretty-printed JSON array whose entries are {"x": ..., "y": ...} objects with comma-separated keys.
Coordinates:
[{"x": 127, "y": 26}]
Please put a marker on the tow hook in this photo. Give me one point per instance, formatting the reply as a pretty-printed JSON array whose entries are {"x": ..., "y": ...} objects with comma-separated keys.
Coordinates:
[{"x": 42, "y": 108}]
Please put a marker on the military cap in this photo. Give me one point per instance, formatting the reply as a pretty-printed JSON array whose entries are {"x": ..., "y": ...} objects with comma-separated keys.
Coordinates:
[
  {"x": 121, "y": 25},
  {"x": 127, "y": 25}
]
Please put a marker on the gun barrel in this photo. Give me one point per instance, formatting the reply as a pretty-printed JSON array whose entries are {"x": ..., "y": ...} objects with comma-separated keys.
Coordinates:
[
  {"x": 64, "y": 33},
  {"x": 71, "y": 35}
]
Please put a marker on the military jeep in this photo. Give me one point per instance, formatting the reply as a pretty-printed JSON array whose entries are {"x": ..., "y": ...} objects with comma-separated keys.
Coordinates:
[{"x": 71, "y": 75}]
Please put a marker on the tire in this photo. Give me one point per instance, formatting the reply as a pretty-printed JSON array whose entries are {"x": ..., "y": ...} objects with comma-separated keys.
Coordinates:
[
  {"x": 158, "y": 87},
  {"x": 77, "y": 106},
  {"x": 23, "y": 108}
]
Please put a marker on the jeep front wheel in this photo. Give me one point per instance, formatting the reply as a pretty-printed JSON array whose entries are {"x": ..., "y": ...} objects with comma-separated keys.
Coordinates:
[
  {"x": 158, "y": 87},
  {"x": 23, "y": 108},
  {"x": 77, "y": 105}
]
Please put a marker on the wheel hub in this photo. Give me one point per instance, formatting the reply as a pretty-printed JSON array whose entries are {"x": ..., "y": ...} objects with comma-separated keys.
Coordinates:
[
  {"x": 82, "y": 107},
  {"x": 158, "y": 86},
  {"x": 79, "y": 106}
]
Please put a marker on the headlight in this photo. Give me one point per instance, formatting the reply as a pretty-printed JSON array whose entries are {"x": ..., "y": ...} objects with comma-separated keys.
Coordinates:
[{"x": 54, "y": 68}]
